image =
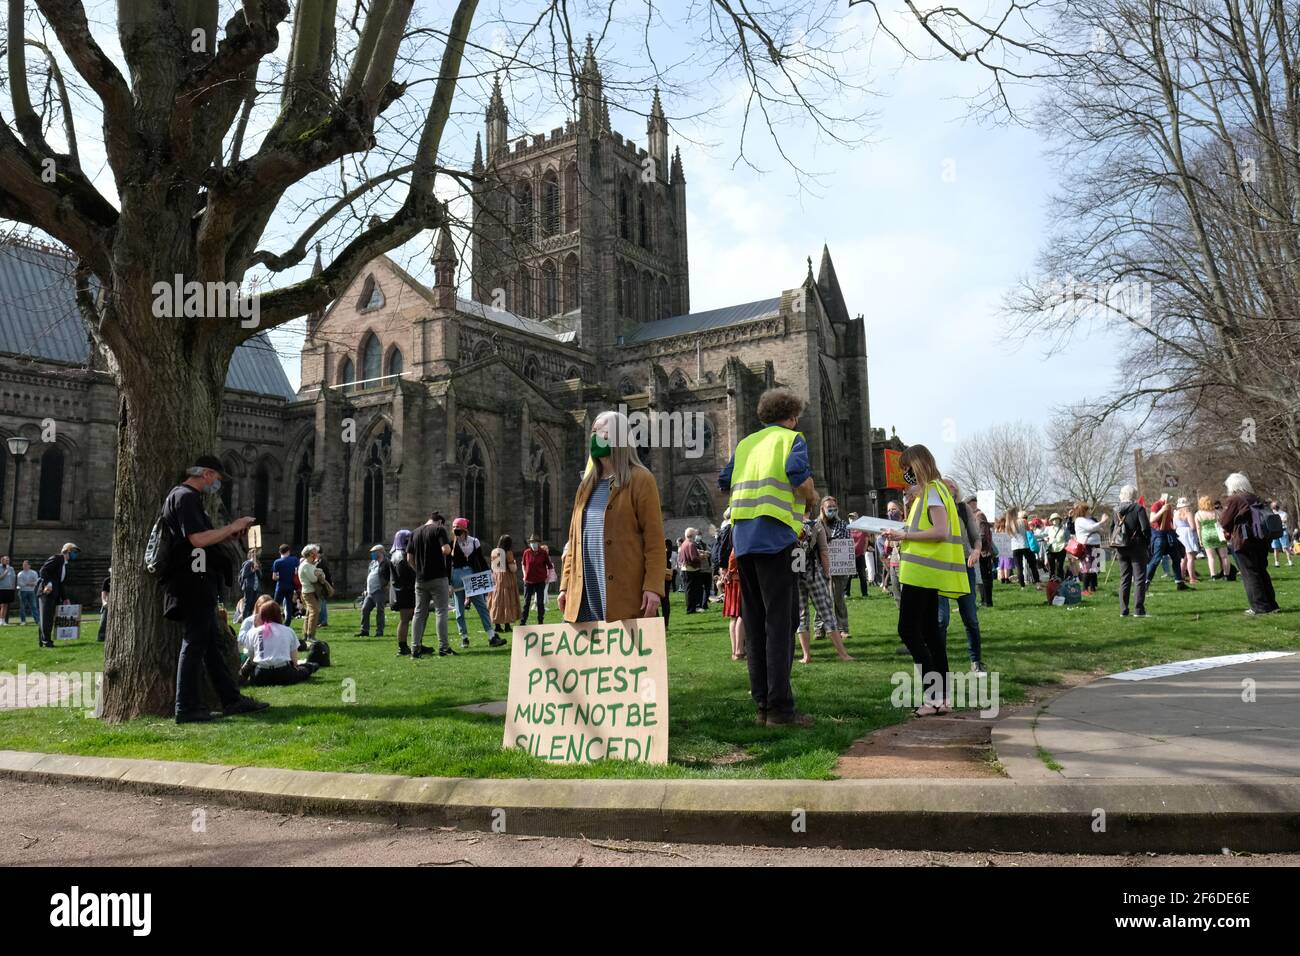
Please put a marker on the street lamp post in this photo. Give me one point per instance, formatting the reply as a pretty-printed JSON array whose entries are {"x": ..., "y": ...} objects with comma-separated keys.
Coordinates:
[{"x": 18, "y": 448}]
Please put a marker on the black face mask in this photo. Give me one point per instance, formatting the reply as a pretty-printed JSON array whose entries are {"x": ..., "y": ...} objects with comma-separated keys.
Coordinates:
[{"x": 909, "y": 476}]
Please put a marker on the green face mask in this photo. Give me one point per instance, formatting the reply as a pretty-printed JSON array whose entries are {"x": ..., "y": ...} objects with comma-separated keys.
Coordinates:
[{"x": 599, "y": 446}]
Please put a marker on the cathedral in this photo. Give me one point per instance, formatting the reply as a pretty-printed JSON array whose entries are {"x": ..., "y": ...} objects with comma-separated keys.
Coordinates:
[{"x": 413, "y": 397}]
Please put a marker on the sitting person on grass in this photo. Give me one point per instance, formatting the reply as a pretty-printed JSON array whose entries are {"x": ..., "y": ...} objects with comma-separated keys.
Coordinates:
[{"x": 273, "y": 649}]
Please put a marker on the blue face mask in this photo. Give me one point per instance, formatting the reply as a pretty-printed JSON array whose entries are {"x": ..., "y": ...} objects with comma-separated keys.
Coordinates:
[
  {"x": 832, "y": 512},
  {"x": 72, "y": 555},
  {"x": 216, "y": 486}
]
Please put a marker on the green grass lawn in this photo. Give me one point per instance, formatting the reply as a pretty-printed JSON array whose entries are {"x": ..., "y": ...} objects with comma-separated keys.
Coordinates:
[{"x": 404, "y": 721}]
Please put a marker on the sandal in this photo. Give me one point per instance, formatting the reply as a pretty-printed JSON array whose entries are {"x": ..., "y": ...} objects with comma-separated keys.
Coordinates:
[{"x": 925, "y": 710}]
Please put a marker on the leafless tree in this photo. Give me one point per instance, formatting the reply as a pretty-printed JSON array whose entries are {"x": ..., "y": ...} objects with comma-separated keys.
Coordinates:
[
  {"x": 1008, "y": 458},
  {"x": 1176, "y": 241},
  {"x": 1090, "y": 457}
]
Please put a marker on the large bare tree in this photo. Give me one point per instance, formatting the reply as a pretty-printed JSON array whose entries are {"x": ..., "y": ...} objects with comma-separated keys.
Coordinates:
[
  {"x": 1176, "y": 241},
  {"x": 1010, "y": 459},
  {"x": 197, "y": 188},
  {"x": 1090, "y": 456}
]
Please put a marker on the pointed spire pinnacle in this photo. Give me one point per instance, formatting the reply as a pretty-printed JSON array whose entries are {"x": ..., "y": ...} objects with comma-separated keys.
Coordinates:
[
  {"x": 478, "y": 153},
  {"x": 589, "y": 64},
  {"x": 497, "y": 104},
  {"x": 678, "y": 176},
  {"x": 316, "y": 267},
  {"x": 656, "y": 108},
  {"x": 809, "y": 278},
  {"x": 445, "y": 249},
  {"x": 604, "y": 114}
]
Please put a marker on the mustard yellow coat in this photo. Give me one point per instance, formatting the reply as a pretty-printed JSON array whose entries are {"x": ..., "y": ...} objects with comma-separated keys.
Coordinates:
[{"x": 635, "y": 560}]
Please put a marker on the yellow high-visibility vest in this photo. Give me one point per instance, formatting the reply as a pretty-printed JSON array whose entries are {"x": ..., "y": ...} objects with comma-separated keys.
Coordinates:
[
  {"x": 937, "y": 565},
  {"x": 759, "y": 484}
]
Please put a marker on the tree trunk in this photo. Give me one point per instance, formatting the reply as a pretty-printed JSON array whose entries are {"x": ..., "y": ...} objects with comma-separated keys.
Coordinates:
[{"x": 167, "y": 418}]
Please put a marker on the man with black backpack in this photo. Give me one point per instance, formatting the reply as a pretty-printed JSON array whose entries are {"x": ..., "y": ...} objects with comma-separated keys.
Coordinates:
[
  {"x": 1251, "y": 528},
  {"x": 190, "y": 572},
  {"x": 1130, "y": 537}
]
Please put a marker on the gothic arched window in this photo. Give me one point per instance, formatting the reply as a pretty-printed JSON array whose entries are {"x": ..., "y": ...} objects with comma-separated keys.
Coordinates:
[
  {"x": 228, "y": 496},
  {"x": 524, "y": 292},
  {"x": 647, "y": 297},
  {"x": 698, "y": 502},
  {"x": 542, "y": 486},
  {"x": 665, "y": 300},
  {"x": 372, "y": 359},
  {"x": 643, "y": 225},
  {"x": 550, "y": 204},
  {"x": 550, "y": 288},
  {"x": 473, "y": 485},
  {"x": 624, "y": 210},
  {"x": 371, "y": 296},
  {"x": 372, "y": 495},
  {"x": 302, "y": 501},
  {"x": 571, "y": 198},
  {"x": 570, "y": 282},
  {"x": 533, "y": 370},
  {"x": 347, "y": 374},
  {"x": 49, "y": 506},
  {"x": 396, "y": 364},
  {"x": 262, "y": 494},
  {"x": 524, "y": 211}
]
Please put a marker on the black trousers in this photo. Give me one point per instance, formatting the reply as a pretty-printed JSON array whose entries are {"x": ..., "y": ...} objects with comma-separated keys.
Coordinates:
[
  {"x": 199, "y": 647},
  {"x": 1056, "y": 564},
  {"x": 666, "y": 605},
  {"x": 1133, "y": 577},
  {"x": 860, "y": 560},
  {"x": 697, "y": 594},
  {"x": 1022, "y": 557},
  {"x": 537, "y": 591},
  {"x": 49, "y": 605},
  {"x": 918, "y": 627},
  {"x": 986, "y": 580},
  {"x": 281, "y": 675},
  {"x": 769, "y": 592},
  {"x": 1253, "y": 564}
]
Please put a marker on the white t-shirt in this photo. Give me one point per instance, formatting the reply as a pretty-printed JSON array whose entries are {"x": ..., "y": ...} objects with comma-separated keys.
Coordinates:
[{"x": 270, "y": 643}]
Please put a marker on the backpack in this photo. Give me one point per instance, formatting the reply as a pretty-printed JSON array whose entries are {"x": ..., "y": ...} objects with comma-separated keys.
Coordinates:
[
  {"x": 721, "y": 550},
  {"x": 319, "y": 654},
  {"x": 1071, "y": 591},
  {"x": 1265, "y": 525},
  {"x": 1119, "y": 532},
  {"x": 160, "y": 550}
]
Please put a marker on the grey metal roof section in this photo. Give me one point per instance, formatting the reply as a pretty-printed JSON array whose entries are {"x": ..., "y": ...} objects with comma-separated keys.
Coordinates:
[
  {"x": 702, "y": 321},
  {"x": 255, "y": 367},
  {"x": 38, "y": 307},
  {"x": 39, "y": 320},
  {"x": 502, "y": 317}
]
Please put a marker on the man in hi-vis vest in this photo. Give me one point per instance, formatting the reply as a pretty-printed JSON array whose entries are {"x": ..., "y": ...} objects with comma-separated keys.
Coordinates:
[{"x": 770, "y": 483}]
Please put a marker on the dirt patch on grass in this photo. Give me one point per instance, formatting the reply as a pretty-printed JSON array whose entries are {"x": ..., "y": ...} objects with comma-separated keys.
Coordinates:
[{"x": 956, "y": 746}]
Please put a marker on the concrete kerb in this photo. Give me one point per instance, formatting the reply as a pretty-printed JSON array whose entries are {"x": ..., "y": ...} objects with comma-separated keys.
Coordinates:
[{"x": 1184, "y": 816}]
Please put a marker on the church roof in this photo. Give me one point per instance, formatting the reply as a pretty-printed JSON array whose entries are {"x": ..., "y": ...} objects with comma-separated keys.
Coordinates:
[
  {"x": 509, "y": 319},
  {"x": 39, "y": 320},
  {"x": 702, "y": 321}
]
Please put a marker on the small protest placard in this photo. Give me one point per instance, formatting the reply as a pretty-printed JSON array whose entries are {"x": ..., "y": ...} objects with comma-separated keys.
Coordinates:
[
  {"x": 255, "y": 537},
  {"x": 580, "y": 693},
  {"x": 843, "y": 561},
  {"x": 67, "y": 622},
  {"x": 1002, "y": 541},
  {"x": 480, "y": 583}
]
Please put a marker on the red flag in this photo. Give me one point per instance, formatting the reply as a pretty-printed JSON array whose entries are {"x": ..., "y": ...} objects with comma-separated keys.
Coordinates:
[{"x": 894, "y": 470}]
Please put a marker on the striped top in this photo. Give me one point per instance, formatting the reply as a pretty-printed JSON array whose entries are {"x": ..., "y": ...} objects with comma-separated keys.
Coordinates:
[{"x": 593, "y": 554}]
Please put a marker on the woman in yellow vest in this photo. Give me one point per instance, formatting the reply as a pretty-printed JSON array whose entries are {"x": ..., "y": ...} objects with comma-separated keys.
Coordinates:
[{"x": 930, "y": 566}]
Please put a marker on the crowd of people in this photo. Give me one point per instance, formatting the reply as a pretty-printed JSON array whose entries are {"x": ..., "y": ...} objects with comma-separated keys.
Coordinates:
[{"x": 769, "y": 567}]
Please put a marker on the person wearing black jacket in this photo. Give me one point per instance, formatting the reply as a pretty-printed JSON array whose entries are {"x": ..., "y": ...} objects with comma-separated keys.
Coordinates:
[
  {"x": 428, "y": 554},
  {"x": 1134, "y": 555},
  {"x": 1248, "y": 547},
  {"x": 50, "y": 589},
  {"x": 191, "y": 593}
]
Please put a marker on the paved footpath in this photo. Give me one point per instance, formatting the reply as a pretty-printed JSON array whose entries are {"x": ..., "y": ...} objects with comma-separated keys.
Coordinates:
[
  {"x": 1226, "y": 723},
  {"x": 43, "y": 824}
]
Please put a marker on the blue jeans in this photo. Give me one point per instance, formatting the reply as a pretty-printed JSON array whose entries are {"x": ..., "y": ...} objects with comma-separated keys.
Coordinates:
[
  {"x": 27, "y": 605},
  {"x": 458, "y": 576},
  {"x": 1162, "y": 546},
  {"x": 285, "y": 600},
  {"x": 969, "y": 617},
  {"x": 250, "y": 598},
  {"x": 324, "y": 611}
]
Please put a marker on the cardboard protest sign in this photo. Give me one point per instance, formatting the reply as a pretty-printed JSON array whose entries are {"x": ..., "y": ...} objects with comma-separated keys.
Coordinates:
[
  {"x": 255, "y": 537},
  {"x": 843, "y": 561},
  {"x": 580, "y": 693},
  {"x": 1002, "y": 541},
  {"x": 67, "y": 622},
  {"x": 480, "y": 583}
]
